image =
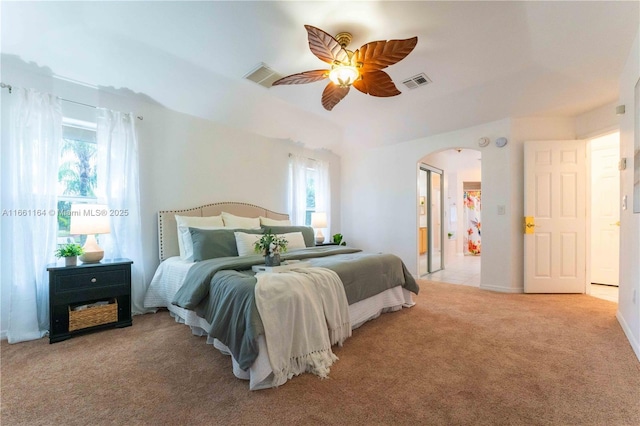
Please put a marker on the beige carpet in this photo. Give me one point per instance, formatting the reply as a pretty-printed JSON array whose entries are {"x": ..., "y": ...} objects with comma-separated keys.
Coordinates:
[{"x": 461, "y": 356}]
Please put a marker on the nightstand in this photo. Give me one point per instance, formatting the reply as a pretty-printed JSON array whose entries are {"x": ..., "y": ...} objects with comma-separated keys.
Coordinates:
[{"x": 88, "y": 297}]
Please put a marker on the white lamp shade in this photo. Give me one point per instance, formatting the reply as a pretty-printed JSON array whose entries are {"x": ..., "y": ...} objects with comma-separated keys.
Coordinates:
[
  {"x": 89, "y": 219},
  {"x": 319, "y": 220}
]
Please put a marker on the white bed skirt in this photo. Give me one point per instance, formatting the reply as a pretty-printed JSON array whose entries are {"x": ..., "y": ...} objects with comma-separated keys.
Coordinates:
[{"x": 260, "y": 375}]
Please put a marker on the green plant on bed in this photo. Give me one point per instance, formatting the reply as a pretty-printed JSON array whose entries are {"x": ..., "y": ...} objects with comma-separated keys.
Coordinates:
[
  {"x": 69, "y": 250},
  {"x": 270, "y": 244}
]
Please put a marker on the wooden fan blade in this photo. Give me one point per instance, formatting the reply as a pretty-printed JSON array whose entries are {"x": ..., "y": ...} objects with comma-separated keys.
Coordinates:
[
  {"x": 376, "y": 83},
  {"x": 332, "y": 95},
  {"x": 380, "y": 54},
  {"x": 324, "y": 46},
  {"x": 303, "y": 77}
]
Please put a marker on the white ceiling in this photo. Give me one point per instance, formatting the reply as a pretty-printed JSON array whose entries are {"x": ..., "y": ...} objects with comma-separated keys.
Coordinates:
[{"x": 487, "y": 60}]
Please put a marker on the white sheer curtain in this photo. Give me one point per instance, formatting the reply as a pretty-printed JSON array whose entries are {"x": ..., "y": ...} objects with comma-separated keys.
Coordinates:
[
  {"x": 323, "y": 191},
  {"x": 297, "y": 189},
  {"x": 31, "y": 177},
  {"x": 299, "y": 170},
  {"x": 119, "y": 189}
]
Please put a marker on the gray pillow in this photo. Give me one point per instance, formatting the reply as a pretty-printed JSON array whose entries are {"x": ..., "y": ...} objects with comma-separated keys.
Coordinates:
[
  {"x": 212, "y": 243},
  {"x": 307, "y": 232}
]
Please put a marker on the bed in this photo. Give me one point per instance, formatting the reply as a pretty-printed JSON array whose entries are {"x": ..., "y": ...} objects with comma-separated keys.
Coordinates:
[{"x": 207, "y": 283}]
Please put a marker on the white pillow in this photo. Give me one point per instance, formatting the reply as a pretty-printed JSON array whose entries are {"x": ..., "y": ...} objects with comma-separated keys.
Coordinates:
[
  {"x": 295, "y": 240},
  {"x": 265, "y": 221},
  {"x": 239, "y": 222},
  {"x": 245, "y": 243},
  {"x": 184, "y": 237}
]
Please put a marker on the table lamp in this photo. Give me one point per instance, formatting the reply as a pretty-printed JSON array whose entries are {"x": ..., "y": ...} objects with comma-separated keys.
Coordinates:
[
  {"x": 89, "y": 220},
  {"x": 318, "y": 221}
]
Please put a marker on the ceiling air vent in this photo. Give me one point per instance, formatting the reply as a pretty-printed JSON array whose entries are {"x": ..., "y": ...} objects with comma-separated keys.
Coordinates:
[
  {"x": 417, "y": 81},
  {"x": 263, "y": 75}
]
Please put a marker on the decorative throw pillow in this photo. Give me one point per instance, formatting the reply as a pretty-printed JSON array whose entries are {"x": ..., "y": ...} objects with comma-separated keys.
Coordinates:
[
  {"x": 307, "y": 232},
  {"x": 239, "y": 222},
  {"x": 295, "y": 240},
  {"x": 213, "y": 243},
  {"x": 184, "y": 237},
  {"x": 245, "y": 243}
]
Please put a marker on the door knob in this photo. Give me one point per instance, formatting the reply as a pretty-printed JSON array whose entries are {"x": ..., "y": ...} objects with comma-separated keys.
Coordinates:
[
  {"x": 529, "y": 224},
  {"x": 615, "y": 224}
]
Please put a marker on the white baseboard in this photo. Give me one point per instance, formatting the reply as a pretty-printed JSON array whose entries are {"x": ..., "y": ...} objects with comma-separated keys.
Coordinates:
[
  {"x": 501, "y": 289},
  {"x": 635, "y": 345}
]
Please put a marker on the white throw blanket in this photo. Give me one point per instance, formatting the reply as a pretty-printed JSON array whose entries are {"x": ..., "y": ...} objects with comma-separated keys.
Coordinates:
[{"x": 304, "y": 312}]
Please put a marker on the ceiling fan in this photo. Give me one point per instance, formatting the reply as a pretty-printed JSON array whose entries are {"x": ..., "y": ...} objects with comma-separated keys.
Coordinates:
[{"x": 361, "y": 69}]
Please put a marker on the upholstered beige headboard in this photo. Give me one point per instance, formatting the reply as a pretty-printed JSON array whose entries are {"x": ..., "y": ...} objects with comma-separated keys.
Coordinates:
[{"x": 167, "y": 226}]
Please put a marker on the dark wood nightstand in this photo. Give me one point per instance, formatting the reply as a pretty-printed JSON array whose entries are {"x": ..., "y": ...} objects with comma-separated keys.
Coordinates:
[{"x": 88, "y": 297}]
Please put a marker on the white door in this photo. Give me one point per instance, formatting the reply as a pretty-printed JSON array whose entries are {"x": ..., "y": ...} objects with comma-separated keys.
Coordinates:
[
  {"x": 554, "y": 202},
  {"x": 605, "y": 213}
]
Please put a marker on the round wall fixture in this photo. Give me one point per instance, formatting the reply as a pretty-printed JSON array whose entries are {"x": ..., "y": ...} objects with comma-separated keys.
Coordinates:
[
  {"x": 482, "y": 142},
  {"x": 500, "y": 142}
]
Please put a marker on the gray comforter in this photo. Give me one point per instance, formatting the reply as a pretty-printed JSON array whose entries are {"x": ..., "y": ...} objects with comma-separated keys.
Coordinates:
[{"x": 221, "y": 290}]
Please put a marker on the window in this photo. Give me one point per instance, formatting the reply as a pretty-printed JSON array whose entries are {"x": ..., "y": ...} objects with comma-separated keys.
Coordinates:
[
  {"x": 311, "y": 195},
  {"x": 77, "y": 174},
  {"x": 308, "y": 189}
]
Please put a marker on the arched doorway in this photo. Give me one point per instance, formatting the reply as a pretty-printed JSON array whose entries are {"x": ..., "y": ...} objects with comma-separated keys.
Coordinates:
[{"x": 447, "y": 244}]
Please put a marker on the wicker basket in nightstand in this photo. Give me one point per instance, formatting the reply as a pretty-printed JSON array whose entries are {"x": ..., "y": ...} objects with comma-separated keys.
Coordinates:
[{"x": 93, "y": 315}]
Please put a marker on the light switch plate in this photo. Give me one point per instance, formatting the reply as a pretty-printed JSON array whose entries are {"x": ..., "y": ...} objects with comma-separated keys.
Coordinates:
[
  {"x": 501, "y": 209},
  {"x": 624, "y": 202}
]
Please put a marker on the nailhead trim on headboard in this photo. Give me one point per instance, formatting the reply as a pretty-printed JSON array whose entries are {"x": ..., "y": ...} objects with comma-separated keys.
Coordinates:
[
  {"x": 161, "y": 226},
  {"x": 229, "y": 207}
]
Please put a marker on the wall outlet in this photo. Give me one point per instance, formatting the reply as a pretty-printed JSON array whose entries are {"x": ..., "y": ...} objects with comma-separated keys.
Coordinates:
[
  {"x": 634, "y": 296},
  {"x": 501, "y": 209},
  {"x": 624, "y": 202}
]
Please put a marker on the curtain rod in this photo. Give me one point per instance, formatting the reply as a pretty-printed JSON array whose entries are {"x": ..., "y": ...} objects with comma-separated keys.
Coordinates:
[
  {"x": 8, "y": 86},
  {"x": 308, "y": 158}
]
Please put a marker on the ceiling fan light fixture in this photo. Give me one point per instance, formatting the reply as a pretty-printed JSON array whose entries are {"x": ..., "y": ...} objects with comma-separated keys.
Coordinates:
[
  {"x": 362, "y": 69},
  {"x": 343, "y": 75}
]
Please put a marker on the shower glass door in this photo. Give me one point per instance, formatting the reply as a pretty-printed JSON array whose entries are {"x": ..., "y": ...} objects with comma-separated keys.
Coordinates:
[{"x": 431, "y": 205}]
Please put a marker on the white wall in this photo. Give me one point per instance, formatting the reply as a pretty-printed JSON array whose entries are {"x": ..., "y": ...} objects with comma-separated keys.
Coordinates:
[
  {"x": 629, "y": 289},
  {"x": 379, "y": 189},
  {"x": 188, "y": 161},
  {"x": 597, "y": 122},
  {"x": 379, "y": 193},
  {"x": 184, "y": 161}
]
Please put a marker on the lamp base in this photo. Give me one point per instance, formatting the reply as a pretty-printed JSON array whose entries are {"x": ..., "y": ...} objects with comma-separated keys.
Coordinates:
[
  {"x": 92, "y": 251},
  {"x": 319, "y": 237},
  {"x": 92, "y": 256}
]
